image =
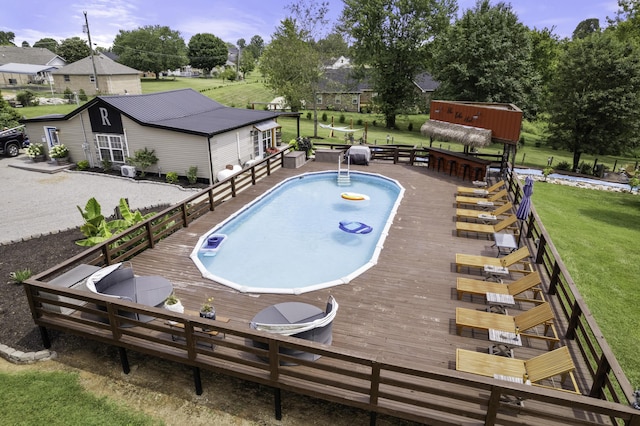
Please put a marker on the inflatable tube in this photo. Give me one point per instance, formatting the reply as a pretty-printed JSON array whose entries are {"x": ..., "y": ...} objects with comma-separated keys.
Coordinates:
[
  {"x": 355, "y": 227},
  {"x": 353, "y": 196}
]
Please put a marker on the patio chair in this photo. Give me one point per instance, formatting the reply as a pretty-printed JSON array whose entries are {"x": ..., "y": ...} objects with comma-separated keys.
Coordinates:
[
  {"x": 525, "y": 323},
  {"x": 542, "y": 367},
  {"x": 487, "y": 229},
  {"x": 480, "y": 192},
  {"x": 516, "y": 258},
  {"x": 495, "y": 199},
  {"x": 478, "y": 215},
  {"x": 516, "y": 288}
]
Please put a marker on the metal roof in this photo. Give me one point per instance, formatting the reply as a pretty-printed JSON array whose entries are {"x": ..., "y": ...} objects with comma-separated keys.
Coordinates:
[
  {"x": 183, "y": 110},
  {"x": 24, "y": 68}
]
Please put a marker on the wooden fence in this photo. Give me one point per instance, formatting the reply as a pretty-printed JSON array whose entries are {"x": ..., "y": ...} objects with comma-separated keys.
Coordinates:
[{"x": 357, "y": 379}]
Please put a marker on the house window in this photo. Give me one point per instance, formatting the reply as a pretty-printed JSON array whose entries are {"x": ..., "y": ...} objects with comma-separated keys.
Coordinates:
[
  {"x": 67, "y": 78},
  {"x": 337, "y": 100},
  {"x": 354, "y": 99},
  {"x": 266, "y": 140},
  {"x": 319, "y": 99},
  {"x": 255, "y": 138},
  {"x": 112, "y": 148},
  {"x": 92, "y": 78}
]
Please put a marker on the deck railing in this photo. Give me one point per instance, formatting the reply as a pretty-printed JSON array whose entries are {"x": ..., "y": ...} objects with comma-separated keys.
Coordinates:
[{"x": 433, "y": 395}]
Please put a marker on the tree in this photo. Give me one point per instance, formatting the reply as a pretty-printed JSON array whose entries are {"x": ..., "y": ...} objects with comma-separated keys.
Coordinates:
[
  {"x": 546, "y": 49},
  {"x": 73, "y": 49},
  {"x": 595, "y": 105},
  {"x": 25, "y": 44},
  {"x": 290, "y": 64},
  {"x": 8, "y": 116},
  {"x": 207, "y": 51},
  {"x": 242, "y": 43},
  {"x": 626, "y": 23},
  {"x": 247, "y": 63},
  {"x": 256, "y": 46},
  {"x": 586, "y": 28},
  {"x": 151, "y": 48},
  {"x": 392, "y": 44},
  {"x": 332, "y": 46},
  {"x": 486, "y": 56},
  {"x": 6, "y": 38},
  {"x": 47, "y": 43}
]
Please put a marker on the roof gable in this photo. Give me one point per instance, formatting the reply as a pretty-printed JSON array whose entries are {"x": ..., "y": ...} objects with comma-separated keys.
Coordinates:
[
  {"x": 29, "y": 55},
  {"x": 104, "y": 66}
]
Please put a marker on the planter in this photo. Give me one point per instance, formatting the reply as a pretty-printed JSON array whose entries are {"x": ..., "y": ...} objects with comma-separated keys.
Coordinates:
[
  {"x": 209, "y": 315},
  {"x": 62, "y": 161},
  {"x": 176, "y": 307}
]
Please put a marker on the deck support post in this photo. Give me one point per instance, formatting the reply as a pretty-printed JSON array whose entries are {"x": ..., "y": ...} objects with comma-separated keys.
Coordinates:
[
  {"x": 373, "y": 418},
  {"x": 277, "y": 403},
  {"x": 44, "y": 335},
  {"x": 197, "y": 380},
  {"x": 124, "y": 360}
]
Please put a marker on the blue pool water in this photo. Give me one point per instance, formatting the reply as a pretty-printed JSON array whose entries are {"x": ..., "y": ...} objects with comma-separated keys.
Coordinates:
[{"x": 289, "y": 240}]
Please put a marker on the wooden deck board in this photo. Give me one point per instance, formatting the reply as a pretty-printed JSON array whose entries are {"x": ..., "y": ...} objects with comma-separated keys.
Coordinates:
[{"x": 402, "y": 308}]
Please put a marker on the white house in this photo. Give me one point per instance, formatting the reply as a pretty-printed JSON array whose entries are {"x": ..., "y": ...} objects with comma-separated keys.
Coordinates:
[{"x": 184, "y": 127}]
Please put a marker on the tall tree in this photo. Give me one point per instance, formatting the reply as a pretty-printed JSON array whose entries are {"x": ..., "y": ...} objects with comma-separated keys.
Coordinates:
[
  {"x": 25, "y": 44},
  {"x": 486, "y": 57},
  {"x": 586, "y": 28},
  {"x": 392, "y": 43},
  {"x": 626, "y": 22},
  {"x": 256, "y": 46},
  {"x": 290, "y": 64},
  {"x": 6, "y": 38},
  {"x": 207, "y": 51},
  {"x": 47, "y": 43},
  {"x": 332, "y": 46},
  {"x": 8, "y": 116},
  {"x": 546, "y": 49},
  {"x": 73, "y": 49},
  {"x": 247, "y": 63},
  {"x": 595, "y": 105},
  {"x": 151, "y": 48}
]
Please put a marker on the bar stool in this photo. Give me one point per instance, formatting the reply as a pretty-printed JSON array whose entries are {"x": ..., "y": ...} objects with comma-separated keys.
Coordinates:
[
  {"x": 452, "y": 164},
  {"x": 465, "y": 169},
  {"x": 478, "y": 173}
]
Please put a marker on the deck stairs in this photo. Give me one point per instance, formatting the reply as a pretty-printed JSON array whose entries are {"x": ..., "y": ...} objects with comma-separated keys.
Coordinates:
[{"x": 344, "y": 178}]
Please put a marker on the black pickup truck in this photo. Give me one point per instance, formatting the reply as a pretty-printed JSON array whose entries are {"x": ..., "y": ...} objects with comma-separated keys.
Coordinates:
[{"x": 11, "y": 141}]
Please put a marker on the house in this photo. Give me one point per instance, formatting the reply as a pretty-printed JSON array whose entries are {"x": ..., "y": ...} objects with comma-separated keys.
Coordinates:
[
  {"x": 339, "y": 90},
  {"x": 20, "y": 66},
  {"x": 184, "y": 127},
  {"x": 113, "y": 77}
]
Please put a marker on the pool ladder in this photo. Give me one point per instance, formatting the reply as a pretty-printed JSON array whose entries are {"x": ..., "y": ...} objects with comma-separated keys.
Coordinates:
[{"x": 344, "y": 179}]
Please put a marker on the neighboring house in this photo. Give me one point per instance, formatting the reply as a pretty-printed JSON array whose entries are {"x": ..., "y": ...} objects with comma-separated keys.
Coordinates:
[
  {"x": 184, "y": 127},
  {"x": 341, "y": 62},
  {"x": 338, "y": 90},
  {"x": 20, "y": 66},
  {"x": 113, "y": 77}
]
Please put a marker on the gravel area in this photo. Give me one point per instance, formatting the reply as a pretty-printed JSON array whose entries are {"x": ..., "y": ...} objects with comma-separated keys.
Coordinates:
[{"x": 37, "y": 202}]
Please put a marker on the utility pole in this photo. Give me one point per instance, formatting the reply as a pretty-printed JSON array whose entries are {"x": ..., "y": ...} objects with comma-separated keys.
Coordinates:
[{"x": 93, "y": 61}]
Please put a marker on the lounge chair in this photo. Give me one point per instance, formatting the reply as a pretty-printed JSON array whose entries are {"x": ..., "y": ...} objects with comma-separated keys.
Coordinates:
[
  {"x": 542, "y": 367},
  {"x": 495, "y": 199},
  {"x": 479, "y": 215},
  {"x": 516, "y": 288},
  {"x": 487, "y": 229},
  {"x": 480, "y": 192},
  {"x": 524, "y": 324},
  {"x": 516, "y": 258}
]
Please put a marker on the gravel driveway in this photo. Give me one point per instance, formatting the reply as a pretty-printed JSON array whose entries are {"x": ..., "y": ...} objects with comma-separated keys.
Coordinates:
[{"x": 34, "y": 203}]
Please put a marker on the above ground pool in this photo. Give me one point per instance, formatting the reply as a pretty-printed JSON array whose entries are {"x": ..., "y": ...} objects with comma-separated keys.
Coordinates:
[{"x": 305, "y": 234}]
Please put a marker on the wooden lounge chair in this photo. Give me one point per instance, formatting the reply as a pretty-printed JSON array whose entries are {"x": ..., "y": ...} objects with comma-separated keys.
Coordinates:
[
  {"x": 542, "y": 367},
  {"x": 516, "y": 258},
  {"x": 516, "y": 288},
  {"x": 480, "y": 192},
  {"x": 487, "y": 229},
  {"x": 495, "y": 199},
  {"x": 474, "y": 214},
  {"x": 524, "y": 324}
]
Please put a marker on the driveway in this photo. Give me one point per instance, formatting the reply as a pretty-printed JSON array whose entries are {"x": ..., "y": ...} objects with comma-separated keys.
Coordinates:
[{"x": 35, "y": 201}]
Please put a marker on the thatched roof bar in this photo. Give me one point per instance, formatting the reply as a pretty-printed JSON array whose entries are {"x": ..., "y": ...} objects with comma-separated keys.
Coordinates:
[{"x": 467, "y": 135}]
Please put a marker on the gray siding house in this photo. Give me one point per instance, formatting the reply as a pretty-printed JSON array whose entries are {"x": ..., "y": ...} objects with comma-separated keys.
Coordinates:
[{"x": 184, "y": 127}]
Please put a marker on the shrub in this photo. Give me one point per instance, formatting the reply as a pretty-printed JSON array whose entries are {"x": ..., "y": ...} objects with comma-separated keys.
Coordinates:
[
  {"x": 59, "y": 151},
  {"x": 359, "y": 122},
  {"x": 143, "y": 159},
  {"x": 68, "y": 95},
  {"x": 410, "y": 127},
  {"x": 35, "y": 149},
  {"x": 18, "y": 277},
  {"x": 324, "y": 116},
  {"x": 172, "y": 177},
  {"x": 82, "y": 165},
  {"x": 192, "y": 174},
  {"x": 563, "y": 165},
  {"x": 585, "y": 168},
  {"x": 26, "y": 98},
  {"x": 308, "y": 115},
  {"x": 342, "y": 118},
  {"x": 106, "y": 164},
  {"x": 82, "y": 95},
  {"x": 374, "y": 123}
]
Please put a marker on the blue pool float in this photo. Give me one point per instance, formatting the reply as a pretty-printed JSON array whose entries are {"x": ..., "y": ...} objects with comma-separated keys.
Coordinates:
[
  {"x": 355, "y": 227},
  {"x": 212, "y": 244}
]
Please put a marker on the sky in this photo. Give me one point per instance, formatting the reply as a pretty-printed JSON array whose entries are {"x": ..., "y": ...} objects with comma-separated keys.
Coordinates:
[{"x": 32, "y": 20}]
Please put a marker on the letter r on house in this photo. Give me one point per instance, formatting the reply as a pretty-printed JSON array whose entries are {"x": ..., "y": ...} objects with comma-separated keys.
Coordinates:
[{"x": 104, "y": 116}]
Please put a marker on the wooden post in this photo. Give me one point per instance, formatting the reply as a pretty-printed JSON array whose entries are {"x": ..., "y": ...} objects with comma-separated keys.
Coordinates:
[
  {"x": 124, "y": 360},
  {"x": 599, "y": 379},
  {"x": 555, "y": 277},
  {"x": 197, "y": 380},
  {"x": 573, "y": 321}
]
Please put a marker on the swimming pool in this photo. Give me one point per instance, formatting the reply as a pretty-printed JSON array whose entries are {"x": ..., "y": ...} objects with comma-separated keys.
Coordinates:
[{"x": 290, "y": 241}]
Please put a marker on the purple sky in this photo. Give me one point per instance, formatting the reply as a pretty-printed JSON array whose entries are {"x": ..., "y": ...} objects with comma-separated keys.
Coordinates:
[{"x": 32, "y": 20}]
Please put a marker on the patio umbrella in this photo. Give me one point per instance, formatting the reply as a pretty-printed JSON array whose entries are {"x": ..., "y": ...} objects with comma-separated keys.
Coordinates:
[{"x": 525, "y": 204}]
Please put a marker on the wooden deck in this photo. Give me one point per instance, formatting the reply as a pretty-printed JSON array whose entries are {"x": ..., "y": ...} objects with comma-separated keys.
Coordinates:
[{"x": 401, "y": 310}]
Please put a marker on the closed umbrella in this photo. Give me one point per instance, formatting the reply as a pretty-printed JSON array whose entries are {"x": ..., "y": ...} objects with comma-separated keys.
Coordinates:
[{"x": 525, "y": 205}]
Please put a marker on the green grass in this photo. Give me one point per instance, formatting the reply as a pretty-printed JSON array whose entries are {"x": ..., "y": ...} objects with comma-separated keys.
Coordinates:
[
  {"x": 596, "y": 233},
  {"x": 58, "y": 399}
]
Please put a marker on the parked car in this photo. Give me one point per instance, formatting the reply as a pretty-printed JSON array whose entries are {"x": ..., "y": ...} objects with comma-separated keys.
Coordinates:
[{"x": 11, "y": 140}]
